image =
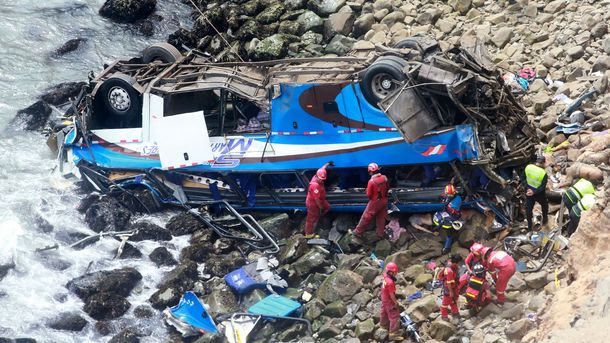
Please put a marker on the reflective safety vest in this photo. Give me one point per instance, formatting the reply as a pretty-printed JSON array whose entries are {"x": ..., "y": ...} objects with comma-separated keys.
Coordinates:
[
  {"x": 581, "y": 188},
  {"x": 534, "y": 175},
  {"x": 443, "y": 219},
  {"x": 584, "y": 204},
  {"x": 474, "y": 291}
]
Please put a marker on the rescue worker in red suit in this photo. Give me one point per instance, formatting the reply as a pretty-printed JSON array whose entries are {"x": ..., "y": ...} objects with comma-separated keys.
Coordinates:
[
  {"x": 377, "y": 207},
  {"x": 502, "y": 267},
  {"x": 449, "y": 276},
  {"x": 316, "y": 202},
  {"x": 390, "y": 310},
  {"x": 471, "y": 260}
]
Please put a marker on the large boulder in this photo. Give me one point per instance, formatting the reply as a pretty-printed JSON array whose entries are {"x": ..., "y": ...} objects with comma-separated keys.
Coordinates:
[
  {"x": 309, "y": 21},
  {"x": 308, "y": 262},
  {"x": 279, "y": 225},
  {"x": 340, "y": 285},
  {"x": 421, "y": 308},
  {"x": 184, "y": 224},
  {"x": 127, "y": 11},
  {"x": 178, "y": 281},
  {"x": 162, "y": 257},
  {"x": 339, "y": 23},
  {"x": 149, "y": 231},
  {"x": 67, "y": 321},
  {"x": 402, "y": 259},
  {"x": 125, "y": 336},
  {"x": 325, "y": 7},
  {"x": 118, "y": 281},
  {"x": 69, "y": 46},
  {"x": 107, "y": 215},
  {"x": 294, "y": 247},
  {"x": 5, "y": 268},
  {"x": 363, "y": 24},
  {"x": 441, "y": 330},
  {"x": 61, "y": 93},
  {"x": 106, "y": 306},
  {"x": 518, "y": 329},
  {"x": 32, "y": 118},
  {"x": 272, "y": 48},
  {"x": 221, "y": 301},
  {"x": 536, "y": 280},
  {"x": 340, "y": 45},
  {"x": 364, "y": 330},
  {"x": 271, "y": 14}
]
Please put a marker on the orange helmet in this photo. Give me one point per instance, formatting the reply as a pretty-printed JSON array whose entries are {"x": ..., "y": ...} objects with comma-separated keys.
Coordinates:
[
  {"x": 373, "y": 167},
  {"x": 321, "y": 174},
  {"x": 391, "y": 267},
  {"x": 450, "y": 190}
]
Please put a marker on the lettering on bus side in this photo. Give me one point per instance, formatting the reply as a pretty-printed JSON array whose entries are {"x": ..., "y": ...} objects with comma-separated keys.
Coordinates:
[{"x": 230, "y": 153}]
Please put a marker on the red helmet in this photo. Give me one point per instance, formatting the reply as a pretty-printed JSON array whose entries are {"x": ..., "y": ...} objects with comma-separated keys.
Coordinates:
[
  {"x": 485, "y": 250},
  {"x": 373, "y": 167},
  {"x": 476, "y": 248},
  {"x": 391, "y": 267},
  {"x": 321, "y": 174},
  {"x": 450, "y": 190}
]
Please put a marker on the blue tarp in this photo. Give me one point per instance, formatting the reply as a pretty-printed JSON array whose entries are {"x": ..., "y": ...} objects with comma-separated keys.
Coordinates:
[{"x": 191, "y": 311}]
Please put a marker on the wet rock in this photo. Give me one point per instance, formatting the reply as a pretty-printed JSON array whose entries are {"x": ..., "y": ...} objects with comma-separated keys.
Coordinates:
[
  {"x": 182, "y": 37},
  {"x": 221, "y": 301},
  {"x": 162, "y": 257},
  {"x": 149, "y": 231},
  {"x": 536, "y": 280},
  {"x": 129, "y": 251},
  {"x": 271, "y": 14},
  {"x": 442, "y": 330},
  {"x": 364, "y": 330},
  {"x": 226, "y": 263},
  {"x": 363, "y": 24},
  {"x": 248, "y": 30},
  {"x": 118, "y": 281},
  {"x": 143, "y": 311},
  {"x": 295, "y": 247},
  {"x": 308, "y": 262},
  {"x": 32, "y": 118},
  {"x": 325, "y": 7},
  {"x": 340, "y": 45},
  {"x": 184, "y": 224},
  {"x": 139, "y": 200},
  {"x": 42, "y": 225},
  {"x": 309, "y": 21},
  {"x": 127, "y": 11},
  {"x": 217, "y": 16},
  {"x": 518, "y": 329},
  {"x": 125, "y": 336},
  {"x": 68, "y": 321},
  {"x": 105, "y": 306},
  {"x": 294, "y": 4},
  {"x": 341, "y": 284},
  {"x": 62, "y": 92},
  {"x": 272, "y": 48},
  {"x": 69, "y": 46},
  {"x": 107, "y": 215},
  {"x": 178, "y": 281}
]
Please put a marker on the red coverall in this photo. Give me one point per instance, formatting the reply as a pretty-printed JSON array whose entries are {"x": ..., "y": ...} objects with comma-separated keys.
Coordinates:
[
  {"x": 449, "y": 277},
  {"x": 316, "y": 191},
  {"x": 377, "y": 207},
  {"x": 502, "y": 267},
  {"x": 389, "y": 311}
]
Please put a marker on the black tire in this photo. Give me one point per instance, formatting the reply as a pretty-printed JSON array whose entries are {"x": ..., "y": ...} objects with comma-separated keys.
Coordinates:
[
  {"x": 120, "y": 99},
  {"x": 162, "y": 52},
  {"x": 380, "y": 79}
]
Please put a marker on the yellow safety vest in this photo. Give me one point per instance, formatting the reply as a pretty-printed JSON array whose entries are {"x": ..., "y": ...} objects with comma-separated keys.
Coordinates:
[
  {"x": 583, "y": 187},
  {"x": 534, "y": 175},
  {"x": 585, "y": 203}
]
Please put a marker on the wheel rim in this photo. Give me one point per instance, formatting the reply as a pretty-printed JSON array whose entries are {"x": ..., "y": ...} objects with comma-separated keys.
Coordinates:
[
  {"x": 119, "y": 99},
  {"x": 382, "y": 85}
]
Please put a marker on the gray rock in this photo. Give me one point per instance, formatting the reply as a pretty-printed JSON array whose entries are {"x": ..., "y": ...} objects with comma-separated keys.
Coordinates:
[
  {"x": 178, "y": 281},
  {"x": 221, "y": 300},
  {"x": 421, "y": 280},
  {"x": 149, "y": 231},
  {"x": 340, "y": 45},
  {"x": 380, "y": 334},
  {"x": 289, "y": 27},
  {"x": 342, "y": 284},
  {"x": 271, "y": 14},
  {"x": 162, "y": 257},
  {"x": 184, "y": 224},
  {"x": 513, "y": 312},
  {"x": 294, "y": 4},
  {"x": 309, "y": 21},
  {"x": 446, "y": 25},
  {"x": 68, "y": 322},
  {"x": 339, "y": 23},
  {"x": 349, "y": 261},
  {"x": 325, "y": 7},
  {"x": 601, "y": 64},
  {"x": 105, "y": 306},
  {"x": 548, "y": 122},
  {"x": 293, "y": 249},
  {"x": 393, "y": 17},
  {"x": 421, "y": 308},
  {"x": 125, "y": 336},
  {"x": 248, "y": 30},
  {"x": 516, "y": 283},
  {"x": 313, "y": 309},
  {"x": 330, "y": 329},
  {"x": 429, "y": 16},
  {"x": 336, "y": 309},
  {"x": 537, "y": 85},
  {"x": 461, "y": 6},
  {"x": 118, "y": 281},
  {"x": 599, "y": 30},
  {"x": 363, "y": 24},
  {"x": 554, "y": 6},
  {"x": 364, "y": 330},
  {"x": 272, "y": 48},
  {"x": 312, "y": 38},
  {"x": 383, "y": 248},
  {"x": 489, "y": 309},
  {"x": 250, "y": 8},
  {"x": 362, "y": 298},
  {"x": 442, "y": 330},
  {"x": 502, "y": 36},
  {"x": 402, "y": 258},
  {"x": 383, "y": 4},
  {"x": 537, "y": 302},
  {"x": 536, "y": 280},
  {"x": 127, "y": 11},
  {"x": 518, "y": 329},
  {"x": 33, "y": 117},
  {"x": 308, "y": 262},
  {"x": 576, "y": 52},
  {"x": 61, "y": 93},
  {"x": 425, "y": 247},
  {"x": 413, "y": 271}
]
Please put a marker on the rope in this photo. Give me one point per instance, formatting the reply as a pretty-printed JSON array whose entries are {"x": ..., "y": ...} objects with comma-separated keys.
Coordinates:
[{"x": 215, "y": 29}]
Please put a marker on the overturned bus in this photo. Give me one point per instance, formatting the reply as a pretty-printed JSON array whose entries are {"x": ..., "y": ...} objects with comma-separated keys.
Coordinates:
[{"x": 191, "y": 130}]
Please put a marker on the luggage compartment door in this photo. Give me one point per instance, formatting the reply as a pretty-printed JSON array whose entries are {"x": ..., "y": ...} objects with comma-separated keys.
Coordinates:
[{"x": 183, "y": 140}]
